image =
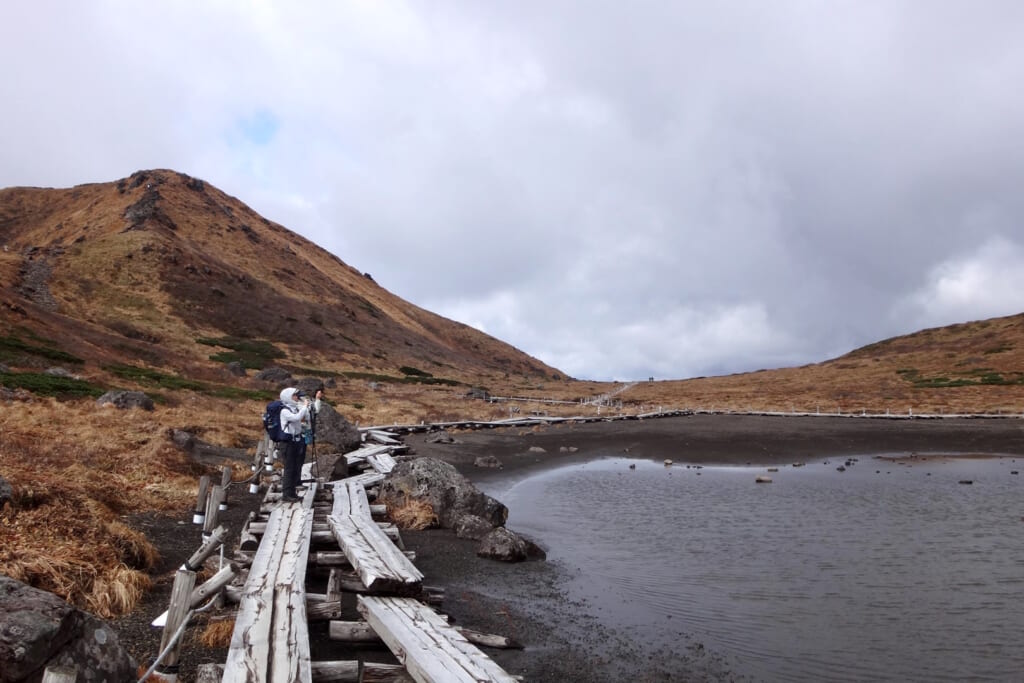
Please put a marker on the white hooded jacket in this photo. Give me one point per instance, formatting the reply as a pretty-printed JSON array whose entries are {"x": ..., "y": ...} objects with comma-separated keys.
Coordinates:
[{"x": 292, "y": 414}]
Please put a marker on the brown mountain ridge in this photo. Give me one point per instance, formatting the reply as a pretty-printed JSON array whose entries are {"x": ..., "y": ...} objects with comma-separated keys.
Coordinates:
[
  {"x": 139, "y": 270},
  {"x": 163, "y": 275}
]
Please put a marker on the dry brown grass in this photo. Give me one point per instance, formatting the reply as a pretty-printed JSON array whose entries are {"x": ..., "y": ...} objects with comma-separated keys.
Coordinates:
[
  {"x": 217, "y": 634},
  {"x": 75, "y": 469},
  {"x": 413, "y": 514}
]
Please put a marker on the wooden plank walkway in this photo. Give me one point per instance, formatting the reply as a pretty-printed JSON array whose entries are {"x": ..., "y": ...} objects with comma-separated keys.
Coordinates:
[
  {"x": 423, "y": 641},
  {"x": 270, "y": 642},
  {"x": 381, "y": 566}
]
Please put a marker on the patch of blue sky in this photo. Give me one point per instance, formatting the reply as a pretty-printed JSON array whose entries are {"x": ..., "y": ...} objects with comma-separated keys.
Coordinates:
[{"x": 260, "y": 127}]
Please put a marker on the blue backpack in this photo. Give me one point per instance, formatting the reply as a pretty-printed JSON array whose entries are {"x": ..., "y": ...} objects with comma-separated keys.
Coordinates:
[{"x": 272, "y": 423}]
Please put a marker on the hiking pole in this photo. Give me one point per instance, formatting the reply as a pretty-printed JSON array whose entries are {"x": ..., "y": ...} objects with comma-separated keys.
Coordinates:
[{"x": 312, "y": 429}]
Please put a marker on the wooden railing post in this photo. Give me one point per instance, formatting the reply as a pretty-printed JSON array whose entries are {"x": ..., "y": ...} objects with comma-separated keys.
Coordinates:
[
  {"x": 213, "y": 502},
  {"x": 200, "y": 514},
  {"x": 181, "y": 598}
]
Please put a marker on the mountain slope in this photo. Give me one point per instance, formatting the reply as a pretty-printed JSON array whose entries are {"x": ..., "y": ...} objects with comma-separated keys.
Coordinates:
[
  {"x": 974, "y": 367},
  {"x": 142, "y": 269}
]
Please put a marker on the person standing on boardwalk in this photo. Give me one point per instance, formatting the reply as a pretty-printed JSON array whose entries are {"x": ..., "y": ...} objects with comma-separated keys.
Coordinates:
[{"x": 294, "y": 412}]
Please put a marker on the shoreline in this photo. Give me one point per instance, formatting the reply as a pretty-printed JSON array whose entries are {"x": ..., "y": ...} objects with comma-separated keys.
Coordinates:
[
  {"x": 721, "y": 440},
  {"x": 527, "y": 601}
]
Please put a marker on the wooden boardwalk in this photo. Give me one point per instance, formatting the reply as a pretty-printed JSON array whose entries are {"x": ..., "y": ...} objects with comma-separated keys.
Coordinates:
[{"x": 270, "y": 642}]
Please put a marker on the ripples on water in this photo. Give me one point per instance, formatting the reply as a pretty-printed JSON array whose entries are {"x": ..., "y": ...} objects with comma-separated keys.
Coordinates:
[{"x": 903, "y": 574}]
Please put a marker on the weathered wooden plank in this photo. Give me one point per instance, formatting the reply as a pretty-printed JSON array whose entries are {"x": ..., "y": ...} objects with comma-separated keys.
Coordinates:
[
  {"x": 271, "y": 639},
  {"x": 381, "y": 436},
  {"x": 359, "y": 505},
  {"x": 291, "y": 653},
  {"x": 375, "y": 558},
  {"x": 368, "y": 479},
  {"x": 361, "y": 454},
  {"x": 431, "y": 650},
  {"x": 381, "y": 462},
  {"x": 362, "y": 632},
  {"x": 250, "y": 640}
]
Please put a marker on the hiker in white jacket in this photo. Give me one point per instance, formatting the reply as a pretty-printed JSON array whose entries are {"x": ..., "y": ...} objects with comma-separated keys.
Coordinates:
[{"x": 295, "y": 411}]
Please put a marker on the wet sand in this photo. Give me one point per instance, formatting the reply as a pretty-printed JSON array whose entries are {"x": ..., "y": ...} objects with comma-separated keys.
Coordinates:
[{"x": 725, "y": 440}]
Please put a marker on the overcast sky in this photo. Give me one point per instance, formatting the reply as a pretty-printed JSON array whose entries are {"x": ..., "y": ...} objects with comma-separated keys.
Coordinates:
[{"x": 621, "y": 189}]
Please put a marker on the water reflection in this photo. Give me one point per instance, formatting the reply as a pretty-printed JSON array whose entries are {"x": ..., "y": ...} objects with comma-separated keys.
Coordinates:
[{"x": 880, "y": 572}]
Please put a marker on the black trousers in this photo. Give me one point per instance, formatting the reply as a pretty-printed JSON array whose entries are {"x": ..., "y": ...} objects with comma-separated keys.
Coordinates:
[{"x": 294, "y": 456}]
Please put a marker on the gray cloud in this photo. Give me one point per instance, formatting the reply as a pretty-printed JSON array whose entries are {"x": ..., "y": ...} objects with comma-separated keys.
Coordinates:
[{"x": 622, "y": 190}]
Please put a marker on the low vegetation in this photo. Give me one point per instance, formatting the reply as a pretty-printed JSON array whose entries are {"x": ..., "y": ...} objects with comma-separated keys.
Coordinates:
[
  {"x": 253, "y": 354},
  {"x": 15, "y": 350}
]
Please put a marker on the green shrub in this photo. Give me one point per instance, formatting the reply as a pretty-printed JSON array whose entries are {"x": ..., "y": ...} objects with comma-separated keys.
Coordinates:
[
  {"x": 409, "y": 370},
  {"x": 50, "y": 385},
  {"x": 12, "y": 348},
  {"x": 254, "y": 354}
]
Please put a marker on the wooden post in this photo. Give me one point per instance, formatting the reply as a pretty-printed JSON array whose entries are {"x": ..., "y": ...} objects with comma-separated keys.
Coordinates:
[
  {"x": 200, "y": 514},
  {"x": 209, "y": 547},
  {"x": 225, "y": 483},
  {"x": 213, "y": 502},
  {"x": 334, "y": 585},
  {"x": 60, "y": 674},
  {"x": 181, "y": 593}
]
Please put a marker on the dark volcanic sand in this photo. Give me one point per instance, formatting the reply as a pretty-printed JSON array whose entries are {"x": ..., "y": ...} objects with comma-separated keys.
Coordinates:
[{"x": 563, "y": 643}]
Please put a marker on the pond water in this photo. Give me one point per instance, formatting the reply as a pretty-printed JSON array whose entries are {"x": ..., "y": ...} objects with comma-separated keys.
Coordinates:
[{"x": 885, "y": 571}]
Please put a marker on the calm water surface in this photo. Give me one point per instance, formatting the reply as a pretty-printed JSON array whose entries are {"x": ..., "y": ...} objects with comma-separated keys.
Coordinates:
[{"x": 882, "y": 572}]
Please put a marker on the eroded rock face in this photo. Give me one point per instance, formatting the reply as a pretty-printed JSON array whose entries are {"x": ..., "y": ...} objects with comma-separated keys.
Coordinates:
[
  {"x": 508, "y": 546},
  {"x": 38, "y": 629},
  {"x": 438, "y": 483}
]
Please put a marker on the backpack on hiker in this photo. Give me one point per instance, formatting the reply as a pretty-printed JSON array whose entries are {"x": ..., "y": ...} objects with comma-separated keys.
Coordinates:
[{"x": 272, "y": 423}]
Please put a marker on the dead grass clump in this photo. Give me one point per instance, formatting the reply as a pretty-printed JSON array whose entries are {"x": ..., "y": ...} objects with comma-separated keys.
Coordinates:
[
  {"x": 414, "y": 515},
  {"x": 117, "y": 591},
  {"x": 217, "y": 634},
  {"x": 132, "y": 546}
]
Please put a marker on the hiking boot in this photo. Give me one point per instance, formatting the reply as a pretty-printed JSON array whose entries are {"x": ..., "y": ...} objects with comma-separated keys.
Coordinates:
[{"x": 290, "y": 499}]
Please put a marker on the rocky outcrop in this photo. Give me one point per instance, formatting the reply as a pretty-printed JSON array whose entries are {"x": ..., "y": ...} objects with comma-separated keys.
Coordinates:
[
  {"x": 235, "y": 368},
  {"x": 471, "y": 526},
  {"x": 440, "y": 436},
  {"x": 125, "y": 400},
  {"x": 38, "y": 630},
  {"x": 274, "y": 374},
  {"x": 333, "y": 429},
  {"x": 438, "y": 483},
  {"x": 508, "y": 546},
  {"x": 487, "y": 461}
]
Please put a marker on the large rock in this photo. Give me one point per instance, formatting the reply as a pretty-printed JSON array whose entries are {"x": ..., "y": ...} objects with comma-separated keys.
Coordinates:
[
  {"x": 274, "y": 374},
  {"x": 38, "y": 629},
  {"x": 332, "y": 428},
  {"x": 126, "y": 399},
  {"x": 449, "y": 493},
  {"x": 508, "y": 546}
]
